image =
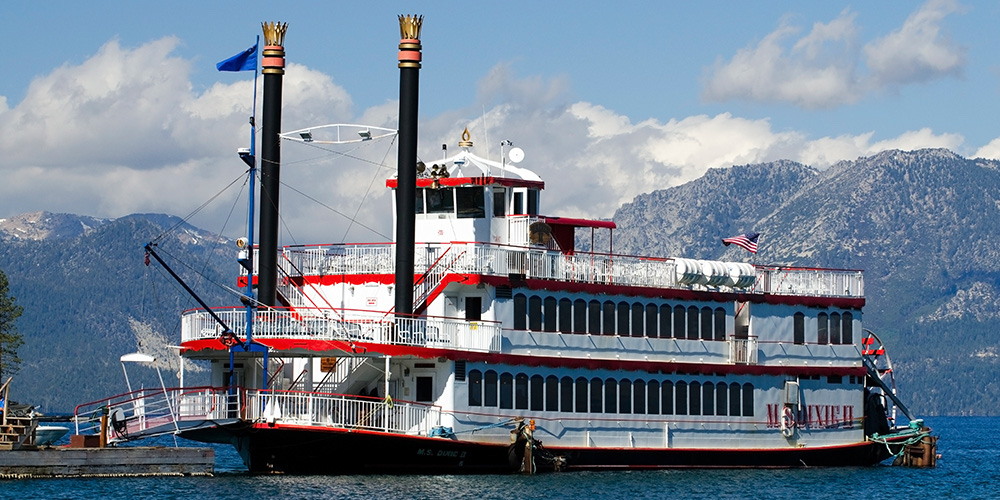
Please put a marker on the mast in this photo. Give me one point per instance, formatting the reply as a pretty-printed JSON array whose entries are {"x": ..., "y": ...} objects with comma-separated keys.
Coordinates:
[
  {"x": 273, "y": 68},
  {"x": 406, "y": 164}
]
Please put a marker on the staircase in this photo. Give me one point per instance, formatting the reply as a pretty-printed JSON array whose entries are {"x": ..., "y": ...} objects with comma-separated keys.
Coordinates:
[{"x": 16, "y": 432}]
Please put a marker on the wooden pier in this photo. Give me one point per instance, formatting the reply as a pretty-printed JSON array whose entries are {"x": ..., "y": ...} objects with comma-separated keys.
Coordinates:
[{"x": 106, "y": 462}]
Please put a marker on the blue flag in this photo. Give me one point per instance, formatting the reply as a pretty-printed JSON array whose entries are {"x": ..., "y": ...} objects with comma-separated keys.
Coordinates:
[{"x": 244, "y": 61}]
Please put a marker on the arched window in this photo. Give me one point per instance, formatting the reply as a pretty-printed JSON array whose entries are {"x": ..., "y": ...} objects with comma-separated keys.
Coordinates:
[
  {"x": 566, "y": 395},
  {"x": 665, "y": 326},
  {"x": 475, "y": 388},
  {"x": 581, "y": 395},
  {"x": 822, "y": 329},
  {"x": 624, "y": 396},
  {"x": 520, "y": 312},
  {"x": 521, "y": 391},
  {"x": 624, "y": 325},
  {"x": 695, "y": 394},
  {"x": 707, "y": 333},
  {"x": 668, "y": 397},
  {"x": 608, "y": 328},
  {"x": 721, "y": 398},
  {"x": 834, "y": 328},
  {"x": 549, "y": 315},
  {"x": 535, "y": 313},
  {"x": 679, "y": 322},
  {"x": 565, "y": 315},
  {"x": 639, "y": 397},
  {"x": 708, "y": 399},
  {"x": 653, "y": 390},
  {"x": 490, "y": 388},
  {"x": 799, "y": 328},
  {"x": 651, "y": 321},
  {"x": 506, "y": 390},
  {"x": 692, "y": 313},
  {"x": 537, "y": 393},
  {"x": 748, "y": 400},
  {"x": 848, "y": 336},
  {"x": 638, "y": 314},
  {"x": 720, "y": 324},
  {"x": 735, "y": 401},
  {"x": 610, "y": 396},
  {"x": 681, "y": 404},
  {"x": 594, "y": 317},
  {"x": 551, "y": 393},
  {"x": 596, "y": 395},
  {"x": 580, "y": 316}
]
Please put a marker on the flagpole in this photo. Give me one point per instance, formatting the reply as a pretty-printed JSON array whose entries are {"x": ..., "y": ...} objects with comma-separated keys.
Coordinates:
[{"x": 250, "y": 210}]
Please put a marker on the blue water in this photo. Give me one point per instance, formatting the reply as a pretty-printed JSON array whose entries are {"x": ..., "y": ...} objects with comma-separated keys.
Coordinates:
[{"x": 967, "y": 469}]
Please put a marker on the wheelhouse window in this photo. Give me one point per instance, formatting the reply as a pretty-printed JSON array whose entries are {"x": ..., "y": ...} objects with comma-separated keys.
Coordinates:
[
  {"x": 419, "y": 208},
  {"x": 532, "y": 202},
  {"x": 471, "y": 202},
  {"x": 499, "y": 202},
  {"x": 440, "y": 201}
]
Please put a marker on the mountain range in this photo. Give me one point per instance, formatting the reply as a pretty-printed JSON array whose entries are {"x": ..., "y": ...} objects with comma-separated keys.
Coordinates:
[{"x": 923, "y": 225}]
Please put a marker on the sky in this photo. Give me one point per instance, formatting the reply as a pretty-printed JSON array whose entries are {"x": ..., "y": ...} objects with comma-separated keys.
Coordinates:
[{"x": 111, "y": 108}]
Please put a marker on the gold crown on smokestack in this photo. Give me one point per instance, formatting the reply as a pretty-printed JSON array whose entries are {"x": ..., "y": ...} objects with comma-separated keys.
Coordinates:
[
  {"x": 409, "y": 27},
  {"x": 274, "y": 33}
]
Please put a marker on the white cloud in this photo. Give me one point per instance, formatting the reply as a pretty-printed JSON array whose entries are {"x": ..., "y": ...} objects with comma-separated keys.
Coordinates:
[
  {"x": 918, "y": 51},
  {"x": 823, "y": 68}
]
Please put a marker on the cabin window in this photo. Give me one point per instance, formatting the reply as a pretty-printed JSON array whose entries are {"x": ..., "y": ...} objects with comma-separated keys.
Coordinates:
[
  {"x": 499, "y": 202},
  {"x": 610, "y": 396},
  {"x": 625, "y": 396},
  {"x": 667, "y": 390},
  {"x": 847, "y": 336},
  {"x": 747, "y": 400},
  {"x": 490, "y": 388},
  {"x": 425, "y": 389},
  {"x": 799, "y": 328},
  {"x": 665, "y": 322},
  {"x": 535, "y": 313},
  {"x": 721, "y": 398},
  {"x": 720, "y": 323},
  {"x": 596, "y": 395},
  {"x": 651, "y": 321},
  {"x": 521, "y": 391},
  {"x": 473, "y": 308},
  {"x": 520, "y": 312},
  {"x": 623, "y": 318},
  {"x": 581, "y": 395},
  {"x": 692, "y": 322},
  {"x": 735, "y": 402},
  {"x": 551, "y": 393},
  {"x": 822, "y": 329},
  {"x": 708, "y": 399},
  {"x": 695, "y": 399},
  {"x": 475, "y": 388},
  {"x": 440, "y": 201},
  {"x": 639, "y": 398},
  {"x": 835, "y": 328},
  {"x": 835, "y": 379},
  {"x": 532, "y": 202},
  {"x": 566, "y": 394},
  {"x": 681, "y": 404},
  {"x": 550, "y": 314},
  {"x": 637, "y": 317},
  {"x": 580, "y": 316},
  {"x": 594, "y": 317},
  {"x": 565, "y": 316},
  {"x": 679, "y": 322},
  {"x": 653, "y": 390},
  {"x": 537, "y": 393},
  {"x": 419, "y": 208},
  {"x": 506, "y": 391},
  {"x": 471, "y": 202},
  {"x": 608, "y": 326},
  {"x": 706, "y": 323}
]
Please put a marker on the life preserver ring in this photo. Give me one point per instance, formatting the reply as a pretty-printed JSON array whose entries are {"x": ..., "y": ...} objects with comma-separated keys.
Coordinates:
[{"x": 787, "y": 422}]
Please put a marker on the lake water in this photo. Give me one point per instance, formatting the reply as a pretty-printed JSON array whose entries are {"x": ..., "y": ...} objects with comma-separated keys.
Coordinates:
[{"x": 967, "y": 469}]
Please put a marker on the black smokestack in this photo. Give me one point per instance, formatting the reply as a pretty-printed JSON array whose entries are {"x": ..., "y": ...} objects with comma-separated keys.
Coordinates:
[
  {"x": 406, "y": 188},
  {"x": 273, "y": 68}
]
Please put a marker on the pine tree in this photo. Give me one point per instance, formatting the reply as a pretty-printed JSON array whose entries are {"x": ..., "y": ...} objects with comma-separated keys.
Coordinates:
[{"x": 10, "y": 340}]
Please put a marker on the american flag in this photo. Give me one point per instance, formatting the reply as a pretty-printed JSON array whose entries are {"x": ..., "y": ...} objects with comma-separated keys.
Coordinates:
[{"x": 747, "y": 241}]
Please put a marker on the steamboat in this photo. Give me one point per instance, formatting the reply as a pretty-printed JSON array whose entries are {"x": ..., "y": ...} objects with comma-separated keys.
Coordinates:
[{"x": 483, "y": 340}]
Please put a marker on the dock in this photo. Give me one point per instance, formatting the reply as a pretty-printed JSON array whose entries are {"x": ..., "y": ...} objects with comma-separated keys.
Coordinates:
[{"x": 106, "y": 462}]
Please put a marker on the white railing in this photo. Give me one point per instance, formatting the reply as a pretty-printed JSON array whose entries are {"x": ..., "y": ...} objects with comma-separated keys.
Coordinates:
[
  {"x": 332, "y": 324},
  {"x": 743, "y": 351},
  {"x": 533, "y": 262},
  {"x": 144, "y": 414}
]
